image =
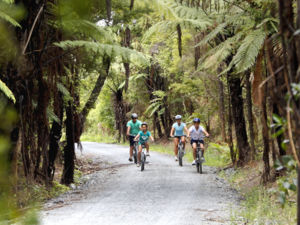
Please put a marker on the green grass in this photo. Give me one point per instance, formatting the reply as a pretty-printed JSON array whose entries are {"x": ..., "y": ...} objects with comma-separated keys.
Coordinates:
[
  {"x": 260, "y": 204},
  {"x": 215, "y": 155},
  {"x": 98, "y": 138},
  {"x": 261, "y": 207}
]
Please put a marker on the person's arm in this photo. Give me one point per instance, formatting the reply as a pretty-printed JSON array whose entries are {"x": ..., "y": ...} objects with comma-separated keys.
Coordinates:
[
  {"x": 172, "y": 132},
  {"x": 205, "y": 132},
  {"x": 152, "y": 139},
  {"x": 128, "y": 131},
  {"x": 137, "y": 137},
  {"x": 187, "y": 131}
]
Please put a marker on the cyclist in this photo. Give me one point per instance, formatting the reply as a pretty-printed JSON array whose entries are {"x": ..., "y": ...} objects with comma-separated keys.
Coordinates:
[
  {"x": 197, "y": 134},
  {"x": 177, "y": 131},
  {"x": 143, "y": 137},
  {"x": 133, "y": 128}
]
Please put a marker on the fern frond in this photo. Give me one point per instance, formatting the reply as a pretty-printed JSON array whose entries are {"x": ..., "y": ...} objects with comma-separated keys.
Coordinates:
[
  {"x": 6, "y": 91},
  {"x": 249, "y": 50},
  {"x": 9, "y": 13},
  {"x": 113, "y": 51},
  {"x": 211, "y": 35}
]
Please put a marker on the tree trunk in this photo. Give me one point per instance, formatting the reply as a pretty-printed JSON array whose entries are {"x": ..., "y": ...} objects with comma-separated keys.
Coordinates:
[
  {"x": 55, "y": 134},
  {"x": 265, "y": 134},
  {"x": 108, "y": 11},
  {"x": 94, "y": 94},
  {"x": 222, "y": 109},
  {"x": 69, "y": 150},
  {"x": 250, "y": 115},
  {"x": 179, "y": 36},
  {"x": 229, "y": 131},
  {"x": 238, "y": 119}
]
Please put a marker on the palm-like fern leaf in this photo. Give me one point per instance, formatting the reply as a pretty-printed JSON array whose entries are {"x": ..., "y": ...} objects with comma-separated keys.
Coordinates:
[
  {"x": 248, "y": 51},
  {"x": 7, "y": 92},
  {"x": 113, "y": 51}
]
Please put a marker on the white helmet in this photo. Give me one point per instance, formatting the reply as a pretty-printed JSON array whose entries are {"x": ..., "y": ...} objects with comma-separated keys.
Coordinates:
[{"x": 178, "y": 117}]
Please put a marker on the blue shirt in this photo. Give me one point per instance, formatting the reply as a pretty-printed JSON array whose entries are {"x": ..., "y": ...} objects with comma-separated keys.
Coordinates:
[
  {"x": 144, "y": 137},
  {"x": 178, "y": 129}
]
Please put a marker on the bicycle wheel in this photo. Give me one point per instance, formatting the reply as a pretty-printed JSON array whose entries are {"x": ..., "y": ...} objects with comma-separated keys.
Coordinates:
[
  {"x": 180, "y": 155},
  {"x": 135, "y": 155},
  {"x": 200, "y": 162},
  {"x": 142, "y": 161}
]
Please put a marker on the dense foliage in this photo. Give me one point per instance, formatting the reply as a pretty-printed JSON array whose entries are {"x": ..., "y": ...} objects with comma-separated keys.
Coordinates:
[{"x": 69, "y": 67}]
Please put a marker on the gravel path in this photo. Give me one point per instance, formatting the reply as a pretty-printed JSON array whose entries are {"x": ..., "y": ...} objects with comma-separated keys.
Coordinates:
[{"x": 163, "y": 194}]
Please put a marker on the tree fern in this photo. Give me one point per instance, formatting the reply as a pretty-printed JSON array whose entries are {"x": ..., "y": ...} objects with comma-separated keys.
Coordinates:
[
  {"x": 6, "y": 91},
  {"x": 10, "y": 13},
  {"x": 211, "y": 35},
  {"x": 115, "y": 52},
  {"x": 248, "y": 50}
]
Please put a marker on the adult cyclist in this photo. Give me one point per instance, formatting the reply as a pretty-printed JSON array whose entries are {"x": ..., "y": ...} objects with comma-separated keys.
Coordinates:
[
  {"x": 197, "y": 134},
  {"x": 133, "y": 128},
  {"x": 177, "y": 131}
]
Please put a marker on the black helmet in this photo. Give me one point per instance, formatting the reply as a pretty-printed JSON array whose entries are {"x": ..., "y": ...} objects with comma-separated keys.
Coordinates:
[
  {"x": 134, "y": 116},
  {"x": 144, "y": 123},
  {"x": 196, "y": 120}
]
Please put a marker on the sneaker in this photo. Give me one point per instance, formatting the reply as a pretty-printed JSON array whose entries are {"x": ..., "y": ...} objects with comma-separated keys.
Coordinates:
[
  {"x": 130, "y": 159},
  {"x": 194, "y": 163},
  {"x": 203, "y": 159},
  {"x": 147, "y": 154},
  {"x": 176, "y": 158},
  {"x": 138, "y": 164}
]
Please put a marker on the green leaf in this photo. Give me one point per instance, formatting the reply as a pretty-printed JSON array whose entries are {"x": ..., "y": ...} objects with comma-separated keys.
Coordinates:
[{"x": 6, "y": 91}]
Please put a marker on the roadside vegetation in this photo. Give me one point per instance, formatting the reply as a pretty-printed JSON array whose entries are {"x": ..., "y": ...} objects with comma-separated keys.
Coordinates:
[{"x": 74, "y": 70}]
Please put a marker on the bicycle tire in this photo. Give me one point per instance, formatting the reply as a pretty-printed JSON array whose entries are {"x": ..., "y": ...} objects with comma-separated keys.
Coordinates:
[
  {"x": 200, "y": 162},
  {"x": 135, "y": 158},
  {"x": 180, "y": 158},
  {"x": 142, "y": 161}
]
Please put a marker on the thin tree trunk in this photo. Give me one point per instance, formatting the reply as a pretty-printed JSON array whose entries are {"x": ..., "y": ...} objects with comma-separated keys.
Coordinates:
[
  {"x": 69, "y": 150},
  {"x": 108, "y": 11},
  {"x": 222, "y": 109},
  {"x": 250, "y": 115},
  {"x": 179, "y": 36},
  {"x": 229, "y": 131}
]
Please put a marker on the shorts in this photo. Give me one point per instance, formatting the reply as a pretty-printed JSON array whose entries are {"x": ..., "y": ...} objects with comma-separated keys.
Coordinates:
[
  {"x": 143, "y": 143},
  {"x": 131, "y": 140},
  {"x": 196, "y": 141}
]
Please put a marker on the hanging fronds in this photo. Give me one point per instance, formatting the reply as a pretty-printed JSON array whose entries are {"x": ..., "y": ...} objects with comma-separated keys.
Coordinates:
[
  {"x": 115, "y": 52},
  {"x": 6, "y": 91}
]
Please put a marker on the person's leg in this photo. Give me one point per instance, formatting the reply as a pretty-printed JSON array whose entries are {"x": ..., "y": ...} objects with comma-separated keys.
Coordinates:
[
  {"x": 194, "y": 146},
  {"x": 139, "y": 153},
  {"x": 147, "y": 147},
  {"x": 183, "y": 141},
  {"x": 176, "y": 140},
  {"x": 202, "y": 147}
]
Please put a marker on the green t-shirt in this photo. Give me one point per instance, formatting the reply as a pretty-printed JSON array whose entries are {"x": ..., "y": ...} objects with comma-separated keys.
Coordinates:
[
  {"x": 144, "y": 137},
  {"x": 134, "y": 127}
]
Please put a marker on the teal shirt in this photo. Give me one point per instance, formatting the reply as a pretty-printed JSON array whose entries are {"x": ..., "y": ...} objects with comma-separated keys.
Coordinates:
[
  {"x": 144, "y": 137},
  {"x": 134, "y": 127}
]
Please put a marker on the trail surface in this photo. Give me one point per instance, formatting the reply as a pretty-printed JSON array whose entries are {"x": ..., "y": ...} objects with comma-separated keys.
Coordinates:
[{"x": 120, "y": 194}]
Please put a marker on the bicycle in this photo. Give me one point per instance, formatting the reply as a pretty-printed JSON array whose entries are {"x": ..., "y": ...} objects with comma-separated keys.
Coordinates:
[
  {"x": 135, "y": 150},
  {"x": 143, "y": 157},
  {"x": 181, "y": 151},
  {"x": 199, "y": 158}
]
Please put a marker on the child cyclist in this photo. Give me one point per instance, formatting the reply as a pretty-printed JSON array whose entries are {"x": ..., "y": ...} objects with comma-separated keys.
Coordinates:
[
  {"x": 197, "y": 134},
  {"x": 143, "y": 137}
]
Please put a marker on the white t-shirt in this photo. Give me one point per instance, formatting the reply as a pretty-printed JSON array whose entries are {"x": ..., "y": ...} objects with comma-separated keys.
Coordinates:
[{"x": 196, "y": 134}]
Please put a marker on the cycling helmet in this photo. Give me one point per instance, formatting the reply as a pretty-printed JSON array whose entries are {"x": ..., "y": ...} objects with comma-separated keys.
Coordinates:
[
  {"x": 196, "y": 120},
  {"x": 134, "y": 116},
  {"x": 144, "y": 123},
  {"x": 178, "y": 117}
]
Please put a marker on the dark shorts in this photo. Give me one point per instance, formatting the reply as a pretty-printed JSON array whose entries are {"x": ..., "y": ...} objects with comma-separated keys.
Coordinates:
[
  {"x": 196, "y": 141},
  {"x": 131, "y": 140}
]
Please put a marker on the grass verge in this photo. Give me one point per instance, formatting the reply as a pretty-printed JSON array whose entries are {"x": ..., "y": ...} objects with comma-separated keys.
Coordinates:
[{"x": 260, "y": 204}]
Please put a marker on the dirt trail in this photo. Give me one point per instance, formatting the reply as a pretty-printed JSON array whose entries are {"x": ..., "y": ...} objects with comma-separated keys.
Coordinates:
[{"x": 120, "y": 194}]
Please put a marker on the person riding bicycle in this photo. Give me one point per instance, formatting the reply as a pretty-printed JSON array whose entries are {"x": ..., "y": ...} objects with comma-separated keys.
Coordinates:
[
  {"x": 197, "y": 134},
  {"x": 177, "y": 131},
  {"x": 143, "y": 137},
  {"x": 133, "y": 128}
]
